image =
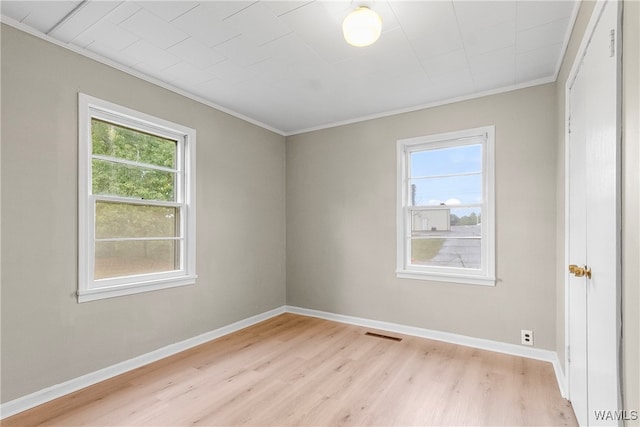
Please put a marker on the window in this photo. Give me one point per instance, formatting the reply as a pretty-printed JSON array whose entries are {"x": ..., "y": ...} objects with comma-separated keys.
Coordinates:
[
  {"x": 136, "y": 201},
  {"x": 446, "y": 207}
]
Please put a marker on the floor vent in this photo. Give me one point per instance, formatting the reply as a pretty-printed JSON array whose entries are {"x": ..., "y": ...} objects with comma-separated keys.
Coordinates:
[{"x": 386, "y": 337}]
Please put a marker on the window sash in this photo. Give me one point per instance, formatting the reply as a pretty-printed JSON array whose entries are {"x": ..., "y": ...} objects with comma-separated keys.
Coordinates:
[
  {"x": 410, "y": 235},
  {"x": 146, "y": 128},
  {"x": 177, "y": 237}
]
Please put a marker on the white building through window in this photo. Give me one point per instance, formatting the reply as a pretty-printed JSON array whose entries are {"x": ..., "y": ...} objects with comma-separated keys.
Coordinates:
[
  {"x": 445, "y": 209},
  {"x": 136, "y": 201}
]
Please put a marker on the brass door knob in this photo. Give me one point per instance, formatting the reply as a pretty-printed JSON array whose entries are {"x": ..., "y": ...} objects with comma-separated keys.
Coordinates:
[{"x": 580, "y": 271}]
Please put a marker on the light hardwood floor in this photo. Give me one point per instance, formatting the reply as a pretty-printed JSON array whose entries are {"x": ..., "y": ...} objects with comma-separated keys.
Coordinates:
[{"x": 297, "y": 370}]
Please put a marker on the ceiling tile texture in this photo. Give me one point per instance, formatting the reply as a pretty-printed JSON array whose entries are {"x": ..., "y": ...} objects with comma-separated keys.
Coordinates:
[{"x": 285, "y": 64}]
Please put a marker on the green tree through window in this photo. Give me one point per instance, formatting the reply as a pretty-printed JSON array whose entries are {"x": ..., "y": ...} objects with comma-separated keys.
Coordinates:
[{"x": 112, "y": 143}]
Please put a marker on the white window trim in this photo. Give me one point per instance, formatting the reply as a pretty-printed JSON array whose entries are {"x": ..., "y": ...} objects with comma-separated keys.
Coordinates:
[
  {"x": 486, "y": 274},
  {"x": 88, "y": 288}
]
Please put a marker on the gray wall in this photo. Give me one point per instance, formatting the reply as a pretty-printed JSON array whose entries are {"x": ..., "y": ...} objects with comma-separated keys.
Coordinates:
[
  {"x": 341, "y": 221},
  {"x": 47, "y": 337}
]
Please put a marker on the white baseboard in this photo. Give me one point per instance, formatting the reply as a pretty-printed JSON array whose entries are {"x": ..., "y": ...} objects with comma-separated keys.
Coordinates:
[
  {"x": 483, "y": 344},
  {"x": 47, "y": 394}
]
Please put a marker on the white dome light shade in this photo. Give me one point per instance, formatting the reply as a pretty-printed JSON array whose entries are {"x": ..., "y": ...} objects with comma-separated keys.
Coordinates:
[{"x": 362, "y": 27}]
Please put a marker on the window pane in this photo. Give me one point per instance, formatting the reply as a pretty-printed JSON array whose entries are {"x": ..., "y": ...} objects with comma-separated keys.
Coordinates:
[
  {"x": 116, "y": 259},
  {"x": 116, "y": 179},
  {"x": 124, "y": 143},
  {"x": 440, "y": 252},
  {"x": 446, "y": 222},
  {"x": 429, "y": 221},
  {"x": 446, "y": 161},
  {"x": 129, "y": 220},
  {"x": 448, "y": 191},
  {"x": 446, "y": 237},
  {"x": 466, "y": 221},
  {"x": 423, "y": 250}
]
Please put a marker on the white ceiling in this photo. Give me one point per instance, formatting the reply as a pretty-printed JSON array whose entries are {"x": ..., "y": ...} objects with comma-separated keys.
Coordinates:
[{"x": 285, "y": 65}]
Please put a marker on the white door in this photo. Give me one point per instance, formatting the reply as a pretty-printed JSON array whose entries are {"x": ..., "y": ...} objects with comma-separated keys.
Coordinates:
[{"x": 593, "y": 286}]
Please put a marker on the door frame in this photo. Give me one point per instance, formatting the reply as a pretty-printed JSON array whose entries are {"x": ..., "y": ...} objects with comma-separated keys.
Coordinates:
[{"x": 575, "y": 68}]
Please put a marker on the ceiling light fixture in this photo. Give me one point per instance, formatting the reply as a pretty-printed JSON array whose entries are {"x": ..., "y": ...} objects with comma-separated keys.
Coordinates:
[{"x": 362, "y": 27}]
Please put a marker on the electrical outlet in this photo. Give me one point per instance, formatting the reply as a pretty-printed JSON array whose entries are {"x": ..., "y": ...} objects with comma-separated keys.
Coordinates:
[{"x": 526, "y": 337}]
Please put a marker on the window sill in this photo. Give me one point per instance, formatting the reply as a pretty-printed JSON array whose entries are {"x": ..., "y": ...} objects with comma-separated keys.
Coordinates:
[
  {"x": 134, "y": 288},
  {"x": 450, "y": 278}
]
